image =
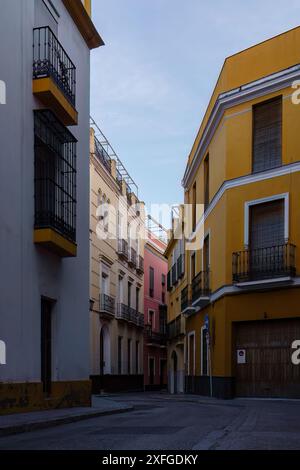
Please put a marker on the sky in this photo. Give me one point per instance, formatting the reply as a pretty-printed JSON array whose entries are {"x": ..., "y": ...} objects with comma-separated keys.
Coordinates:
[{"x": 151, "y": 82}]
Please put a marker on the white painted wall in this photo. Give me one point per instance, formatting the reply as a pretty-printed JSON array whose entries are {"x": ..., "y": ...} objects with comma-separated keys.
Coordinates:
[{"x": 28, "y": 272}]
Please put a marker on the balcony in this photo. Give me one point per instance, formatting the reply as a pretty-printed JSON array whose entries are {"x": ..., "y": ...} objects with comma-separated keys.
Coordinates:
[
  {"x": 201, "y": 289},
  {"x": 54, "y": 76},
  {"x": 140, "y": 265},
  {"x": 132, "y": 257},
  {"x": 55, "y": 185},
  {"x": 122, "y": 248},
  {"x": 106, "y": 305},
  {"x": 102, "y": 155},
  {"x": 176, "y": 328},
  {"x": 185, "y": 301},
  {"x": 130, "y": 315},
  {"x": 153, "y": 338},
  {"x": 264, "y": 266}
]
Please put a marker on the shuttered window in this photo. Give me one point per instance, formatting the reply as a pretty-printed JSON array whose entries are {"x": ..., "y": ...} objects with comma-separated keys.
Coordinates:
[
  {"x": 267, "y": 224},
  {"x": 267, "y": 125}
]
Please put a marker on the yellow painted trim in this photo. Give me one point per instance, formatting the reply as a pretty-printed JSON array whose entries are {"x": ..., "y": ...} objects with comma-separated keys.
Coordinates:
[
  {"x": 84, "y": 23},
  {"x": 50, "y": 95},
  {"x": 55, "y": 242}
]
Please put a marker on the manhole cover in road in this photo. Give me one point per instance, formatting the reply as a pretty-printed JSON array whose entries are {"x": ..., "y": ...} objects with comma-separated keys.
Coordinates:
[{"x": 133, "y": 430}]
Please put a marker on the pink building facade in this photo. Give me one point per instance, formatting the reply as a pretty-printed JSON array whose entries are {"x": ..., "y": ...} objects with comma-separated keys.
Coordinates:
[{"x": 155, "y": 315}]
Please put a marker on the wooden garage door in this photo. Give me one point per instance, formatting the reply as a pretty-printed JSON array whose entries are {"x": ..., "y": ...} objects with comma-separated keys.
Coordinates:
[{"x": 268, "y": 370}]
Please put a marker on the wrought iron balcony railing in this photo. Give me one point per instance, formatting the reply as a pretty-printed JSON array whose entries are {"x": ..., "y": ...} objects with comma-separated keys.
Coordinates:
[
  {"x": 176, "y": 328},
  {"x": 55, "y": 175},
  {"x": 122, "y": 248},
  {"x": 153, "y": 337},
  {"x": 130, "y": 315},
  {"x": 264, "y": 263},
  {"x": 185, "y": 298},
  {"x": 51, "y": 60},
  {"x": 201, "y": 285},
  {"x": 102, "y": 155},
  {"x": 107, "y": 304}
]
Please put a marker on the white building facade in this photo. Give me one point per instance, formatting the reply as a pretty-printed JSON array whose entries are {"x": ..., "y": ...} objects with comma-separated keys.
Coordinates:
[{"x": 44, "y": 203}]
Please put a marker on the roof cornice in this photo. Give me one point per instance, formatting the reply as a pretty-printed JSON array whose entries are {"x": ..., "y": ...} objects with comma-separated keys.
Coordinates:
[{"x": 242, "y": 94}]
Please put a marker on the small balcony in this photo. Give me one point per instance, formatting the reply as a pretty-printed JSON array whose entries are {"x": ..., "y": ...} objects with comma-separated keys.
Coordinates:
[
  {"x": 153, "y": 338},
  {"x": 201, "y": 289},
  {"x": 176, "y": 328},
  {"x": 264, "y": 266},
  {"x": 54, "y": 76},
  {"x": 106, "y": 305},
  {"x": 132, "y": 257},
  {"x": 122, "y": 248},
  {"x": 130, "y": 315},
  {"x": 102, "y": 155},
  {"x": 140, "y": 265}
]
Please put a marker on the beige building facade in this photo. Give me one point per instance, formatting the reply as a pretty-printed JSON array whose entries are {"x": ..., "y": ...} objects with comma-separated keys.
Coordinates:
[{"x": 117, "y": 272}]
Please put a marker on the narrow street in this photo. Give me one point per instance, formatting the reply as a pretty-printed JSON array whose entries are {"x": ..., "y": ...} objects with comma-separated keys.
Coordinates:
[{"x": 164, "y": 422}]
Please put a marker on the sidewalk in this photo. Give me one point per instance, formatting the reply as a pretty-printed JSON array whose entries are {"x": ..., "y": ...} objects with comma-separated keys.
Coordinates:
[{"x": 25, "y": 422}]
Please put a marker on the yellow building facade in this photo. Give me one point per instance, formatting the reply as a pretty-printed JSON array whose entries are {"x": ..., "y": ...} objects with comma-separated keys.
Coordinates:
[{"x": 241, "y": 293}]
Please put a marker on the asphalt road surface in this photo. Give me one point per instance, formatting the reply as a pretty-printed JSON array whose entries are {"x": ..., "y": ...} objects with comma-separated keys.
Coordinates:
[{"x": 164, "y": 422}]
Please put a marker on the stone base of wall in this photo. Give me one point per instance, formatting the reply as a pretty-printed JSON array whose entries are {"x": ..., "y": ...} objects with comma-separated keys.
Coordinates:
[
  {"x": 26, "y": 397},
  {"x": 117, "y": 383},
  {"x": 223, "y": 387}
]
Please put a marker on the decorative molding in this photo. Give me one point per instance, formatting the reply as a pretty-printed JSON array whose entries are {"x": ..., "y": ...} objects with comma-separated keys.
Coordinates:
[
  {"x": 256, "y": 89},
  {"x": 242, "y": 181},
  {"x": 264, "y": 200}
]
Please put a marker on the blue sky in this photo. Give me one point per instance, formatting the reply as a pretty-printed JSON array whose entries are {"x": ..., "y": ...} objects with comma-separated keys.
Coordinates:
[{"x": 152, "y": 80}]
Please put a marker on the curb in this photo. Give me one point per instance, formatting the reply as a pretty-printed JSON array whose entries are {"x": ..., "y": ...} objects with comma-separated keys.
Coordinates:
[{"x": 33, "y": 426}]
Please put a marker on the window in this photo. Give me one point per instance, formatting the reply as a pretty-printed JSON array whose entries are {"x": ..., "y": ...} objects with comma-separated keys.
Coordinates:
[
  {"x": 137, "y": 299},
  {"x": 204, "y": 352},
  {"x": 163, "y": 279},
  {"x": 163, "y": 297},
  {"x": 55, "y": 175},
  {"x": 267, "y": 127},
  {"x": 267, "y": 224},
  {"x": 151, "y": 314},
  {"x": 206, "y": 182},
  {"x": 151, "y": 282},
  {"x": 162, "y": 323},
  {"x": 191, "y": 354},
  {"x": 193, "y": 265},
  {"x": 46, "y": 345},
  {"x": 194, "y": 207},
  {"x": 120, "y": 340},
  {"x": 137, "y": 352},
  {"x": 205, "y": 254},
  {"x": 129, "y": 356},
  {"x": 129, "y": 294}
]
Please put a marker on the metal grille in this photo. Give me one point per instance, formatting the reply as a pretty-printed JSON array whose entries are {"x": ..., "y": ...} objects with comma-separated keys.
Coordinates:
[
  {"x": 107, "y": 304},
  {"x": 51, "y": 60},
  {"x": 264, "y": 263},
  {"x": 55, "y": 175},
  {"x": 267, "y": 224},
  {"x": 267, "y": 121},
  {"x": 102, "y": 155},
  {"x": 200, "y": 285}
]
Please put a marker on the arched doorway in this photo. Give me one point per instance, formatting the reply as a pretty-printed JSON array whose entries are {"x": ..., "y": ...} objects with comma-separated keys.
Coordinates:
[
  {"x": 174, "y": 372},
  {"x": 105, "y": 365}
]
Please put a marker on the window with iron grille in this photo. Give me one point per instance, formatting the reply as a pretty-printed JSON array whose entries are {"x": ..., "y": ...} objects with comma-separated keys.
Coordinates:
[
  {"x": 151, "y": 282},
  {"x": 55, "y": 175},
  {"x": 267, "y": 127}
]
